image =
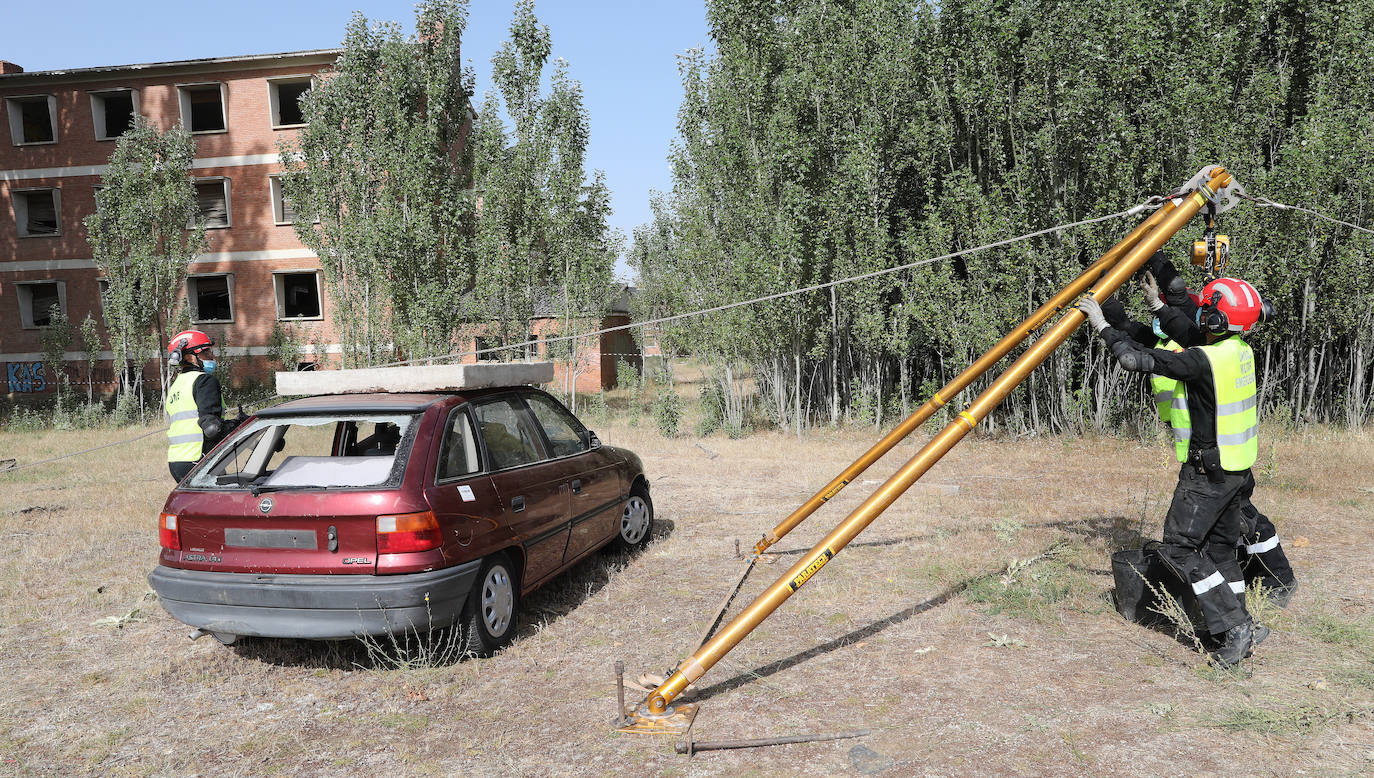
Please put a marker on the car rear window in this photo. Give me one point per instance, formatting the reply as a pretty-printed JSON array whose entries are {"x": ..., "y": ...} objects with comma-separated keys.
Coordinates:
[{"x": 311, "y": 452}]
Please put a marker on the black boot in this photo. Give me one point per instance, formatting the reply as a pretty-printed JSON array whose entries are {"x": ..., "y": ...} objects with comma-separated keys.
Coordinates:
[
  {"x": 1283, "y": 593},
  {"x": 1236, "y": 643}
]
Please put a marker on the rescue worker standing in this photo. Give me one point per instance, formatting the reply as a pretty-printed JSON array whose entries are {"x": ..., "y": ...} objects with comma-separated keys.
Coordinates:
[
  {"x": 193, "y": 402},
  {"x": 1205, "y": 521}
]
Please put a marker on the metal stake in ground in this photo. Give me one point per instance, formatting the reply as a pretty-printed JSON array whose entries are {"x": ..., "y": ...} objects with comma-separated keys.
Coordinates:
[{"x": 690, "y": 746}]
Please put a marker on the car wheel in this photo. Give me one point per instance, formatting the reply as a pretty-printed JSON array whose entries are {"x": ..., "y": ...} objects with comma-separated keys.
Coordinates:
[
  {"x": 636, "y": 520},
  {"x": 491, "y": 613}
]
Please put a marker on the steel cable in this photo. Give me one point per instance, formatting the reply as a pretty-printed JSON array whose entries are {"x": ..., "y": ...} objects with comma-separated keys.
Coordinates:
[{"x": 1152, "y": 202}]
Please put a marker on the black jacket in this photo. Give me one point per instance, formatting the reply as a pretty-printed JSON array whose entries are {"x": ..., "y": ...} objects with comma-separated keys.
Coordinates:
[{"x": 1190, "y": 366}]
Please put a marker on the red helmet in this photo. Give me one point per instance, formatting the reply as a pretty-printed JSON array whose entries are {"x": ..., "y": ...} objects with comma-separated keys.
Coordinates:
[
  {"x": 187, "y": 342},
  {"x": 1229, "y": 305}
]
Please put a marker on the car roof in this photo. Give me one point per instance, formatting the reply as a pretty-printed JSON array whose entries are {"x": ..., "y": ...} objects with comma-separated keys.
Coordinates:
[{"x": 375, "y": 402}]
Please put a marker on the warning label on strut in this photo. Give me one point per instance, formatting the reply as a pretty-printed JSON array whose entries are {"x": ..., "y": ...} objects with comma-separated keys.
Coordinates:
[
  {"x": 834, "y": 490},
  {"x": 810, "y": 570}
]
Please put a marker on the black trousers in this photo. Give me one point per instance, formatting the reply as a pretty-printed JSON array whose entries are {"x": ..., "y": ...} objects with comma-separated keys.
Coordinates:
[
  {"x": 180, "y": 469},
  {"x": 1261, "y": 555},
  {"x": 1202, "y": 529}
]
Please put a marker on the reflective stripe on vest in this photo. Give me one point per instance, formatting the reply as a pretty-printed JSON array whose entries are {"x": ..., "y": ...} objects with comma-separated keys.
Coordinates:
[
  {"x": 1171, "y": 400},
  {"x": 1233, "y": 377},
  {"x": 185, "y": 440}
]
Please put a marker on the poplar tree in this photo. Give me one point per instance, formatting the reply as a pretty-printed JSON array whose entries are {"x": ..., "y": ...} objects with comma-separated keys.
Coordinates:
[
  {"x": 143, "y": 234},
  {"x": 543, "y": 242},
  {"x": 379, "y": 183}
]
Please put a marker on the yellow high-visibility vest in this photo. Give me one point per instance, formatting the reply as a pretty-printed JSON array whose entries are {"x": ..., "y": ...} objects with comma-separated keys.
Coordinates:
[
  {"x": 1233, "y": 377},
  {"x": 1171, "y": 400},
  {"x": 185, "y": 440}
]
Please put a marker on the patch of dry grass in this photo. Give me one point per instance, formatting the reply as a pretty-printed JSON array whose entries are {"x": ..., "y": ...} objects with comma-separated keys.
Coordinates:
[{"x": 892, "y": 635}]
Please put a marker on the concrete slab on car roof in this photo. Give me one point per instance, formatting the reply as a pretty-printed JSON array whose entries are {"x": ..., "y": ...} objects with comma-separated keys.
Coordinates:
[{"x": 414, "y": 378}]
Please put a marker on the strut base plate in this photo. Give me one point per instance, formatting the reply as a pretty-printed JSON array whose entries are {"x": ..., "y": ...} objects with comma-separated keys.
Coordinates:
[{"x": 674, "y": 721}]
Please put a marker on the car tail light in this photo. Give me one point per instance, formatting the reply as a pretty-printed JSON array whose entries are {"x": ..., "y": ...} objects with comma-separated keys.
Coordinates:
[
  {"x": 408, "y": 532},
  {"x": 167, "y": 533}
]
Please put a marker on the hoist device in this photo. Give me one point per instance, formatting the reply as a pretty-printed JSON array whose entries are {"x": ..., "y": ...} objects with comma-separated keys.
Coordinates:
[{"x": 1213, "y": 189}]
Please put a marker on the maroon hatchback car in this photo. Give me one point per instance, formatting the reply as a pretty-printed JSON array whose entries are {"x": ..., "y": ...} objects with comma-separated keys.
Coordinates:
[{"x": 365, "y": 514}]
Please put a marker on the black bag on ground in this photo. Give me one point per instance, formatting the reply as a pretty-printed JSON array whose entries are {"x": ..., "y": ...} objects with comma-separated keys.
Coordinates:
[{"x": 1140, "y": 574}]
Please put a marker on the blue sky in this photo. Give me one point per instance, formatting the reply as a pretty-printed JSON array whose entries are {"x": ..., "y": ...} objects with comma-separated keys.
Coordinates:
[{"x": 623, "y": 52}]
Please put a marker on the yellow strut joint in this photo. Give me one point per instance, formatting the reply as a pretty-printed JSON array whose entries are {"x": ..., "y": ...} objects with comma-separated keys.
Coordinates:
[
  {"x": 968, "y": 419},
  {"x": 1200, "y": 197},
  {"x": 939, "y": 401}
]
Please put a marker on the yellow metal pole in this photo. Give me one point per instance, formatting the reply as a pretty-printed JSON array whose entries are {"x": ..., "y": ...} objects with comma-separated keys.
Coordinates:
[
  {"x": 970, "y": 374},
  {"x": 705, "y": 657}
]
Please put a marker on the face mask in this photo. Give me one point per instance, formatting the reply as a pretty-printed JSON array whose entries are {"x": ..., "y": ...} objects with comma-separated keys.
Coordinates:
[
  {"x": 208, "y": 365},
  {"x": 1159, "y": 333}
]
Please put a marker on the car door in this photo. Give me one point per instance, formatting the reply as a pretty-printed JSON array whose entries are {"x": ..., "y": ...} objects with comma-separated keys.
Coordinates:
[
  {"x": 593, "y": 483},
  {"x": 463, "y": 497},
  {"x": 532, "y": 490}
]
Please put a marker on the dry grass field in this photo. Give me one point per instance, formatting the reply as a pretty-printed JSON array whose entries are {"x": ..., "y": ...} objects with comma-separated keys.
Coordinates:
[{"x": 916, "y": 631}]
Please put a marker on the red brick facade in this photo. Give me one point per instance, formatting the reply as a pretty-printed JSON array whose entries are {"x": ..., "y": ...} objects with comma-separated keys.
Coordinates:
[
  {"x": 249, "y": 252},
  {"x": 251, "y": 248}
]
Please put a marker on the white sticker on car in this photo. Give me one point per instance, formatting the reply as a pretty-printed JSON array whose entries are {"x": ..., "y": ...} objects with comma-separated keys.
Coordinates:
[{"x": 465, "y": 492}]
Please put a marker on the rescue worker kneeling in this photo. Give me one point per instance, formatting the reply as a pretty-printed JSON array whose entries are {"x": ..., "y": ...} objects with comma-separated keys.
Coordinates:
[
  {"x": 193, "y": 402},
  {"x": 1205, "y": 522}
]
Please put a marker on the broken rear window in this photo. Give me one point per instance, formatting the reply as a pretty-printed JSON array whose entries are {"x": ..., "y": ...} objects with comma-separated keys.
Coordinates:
[{"x": 312, "y": 452}]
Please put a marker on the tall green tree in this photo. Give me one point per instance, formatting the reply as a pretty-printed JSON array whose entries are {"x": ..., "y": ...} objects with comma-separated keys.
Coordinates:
[
  {"x": 144, "y": 233},
  {"x": 379, "y": 179},
  {"x": 544, "y": 245},
  {"x": 823, "y": 140}
]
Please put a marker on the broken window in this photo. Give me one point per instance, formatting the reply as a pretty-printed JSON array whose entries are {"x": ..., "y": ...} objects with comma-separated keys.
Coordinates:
[
  {"x": 210, "y": 298},
  {"x": 37, "y": 300},
  {"x": 32, "y": 119},
  {"x": 282, "y": 212},
  {"x": 286, "y": 97},
  {"x": 202, "y": 108},
  {"x": 36, "y": 212},
  {"x": 298, "y": 295},
  {"x": 113, "y": 112},
  {"x": 212, "y": 202}
]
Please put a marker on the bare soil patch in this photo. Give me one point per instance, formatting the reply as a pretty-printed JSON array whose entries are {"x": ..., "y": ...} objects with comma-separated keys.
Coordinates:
[{"x": 915, "y": 631}]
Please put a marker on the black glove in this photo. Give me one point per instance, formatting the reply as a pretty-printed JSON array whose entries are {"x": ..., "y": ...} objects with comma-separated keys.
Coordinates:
[
  {"x": 212, "y": 427},
  {"x": 1137, "y": 360}
]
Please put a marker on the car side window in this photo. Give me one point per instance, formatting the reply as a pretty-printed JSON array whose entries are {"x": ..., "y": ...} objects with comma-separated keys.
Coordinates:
[
  {"x": 458, "y": 452},
  {"x": 505, "y": 427},
  {"x": 561, "y": 427}
]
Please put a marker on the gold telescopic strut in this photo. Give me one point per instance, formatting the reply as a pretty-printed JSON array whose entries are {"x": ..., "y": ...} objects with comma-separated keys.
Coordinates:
[
  {"x": 697, "y": 664},
  {"x": 1011, "y": 340}
]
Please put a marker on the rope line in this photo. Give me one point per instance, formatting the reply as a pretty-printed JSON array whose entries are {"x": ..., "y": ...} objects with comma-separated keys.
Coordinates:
[
  {"x": 1265, "y": 202},
  {"x": 252, "y": 406},
  {"x": 790, "y": 293}
]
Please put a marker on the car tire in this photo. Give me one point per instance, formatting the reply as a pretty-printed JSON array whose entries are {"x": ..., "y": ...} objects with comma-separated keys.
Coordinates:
[
  {"x": 636, "y": 524},
  {"x": 491, "y": 614}
]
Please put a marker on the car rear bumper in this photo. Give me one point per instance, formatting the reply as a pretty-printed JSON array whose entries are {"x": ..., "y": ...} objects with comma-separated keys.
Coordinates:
[{"x": 320, "y": 607}]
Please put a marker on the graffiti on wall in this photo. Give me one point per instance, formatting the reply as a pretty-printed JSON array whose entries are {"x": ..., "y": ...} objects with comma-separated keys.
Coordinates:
[{"x": 26, "y": 377}]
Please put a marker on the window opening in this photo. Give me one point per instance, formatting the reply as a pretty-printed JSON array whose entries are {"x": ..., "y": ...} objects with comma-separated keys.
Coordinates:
[
  {"x": 35, "y": 213},
  {"x": 36, "y": 302},
  {"x": 203, "y": 108},
  {"x": 298, "y": 295},
  {"x": 113, "y": 112},
  {"x": 210, "y": 298},
  {"x": 287, "y": 106},
  {"x": 212, "y": 202},
  {"x": 31, "y": 119}
]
